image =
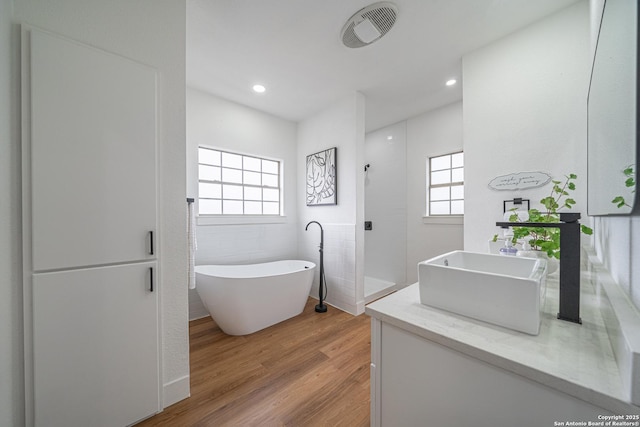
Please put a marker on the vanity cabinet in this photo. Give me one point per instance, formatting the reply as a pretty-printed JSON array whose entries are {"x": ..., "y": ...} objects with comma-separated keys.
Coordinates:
[
  {"x": 418, "y": 382},
  {"x": 89, "y": 227}
]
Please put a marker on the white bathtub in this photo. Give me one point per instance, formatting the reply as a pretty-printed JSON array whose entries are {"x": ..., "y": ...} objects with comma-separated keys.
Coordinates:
[{"x": 243, "y": 299}]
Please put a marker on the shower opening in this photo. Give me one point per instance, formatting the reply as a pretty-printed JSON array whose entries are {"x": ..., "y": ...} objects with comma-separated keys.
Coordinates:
[{"x": 385, "y": 192}]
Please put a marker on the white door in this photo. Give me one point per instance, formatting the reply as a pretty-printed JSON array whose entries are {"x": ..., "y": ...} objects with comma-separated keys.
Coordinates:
[{"x": 89, "y": 214}]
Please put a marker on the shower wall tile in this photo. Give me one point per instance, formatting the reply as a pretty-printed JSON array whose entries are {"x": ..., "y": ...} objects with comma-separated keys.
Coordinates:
[{"x": 245, "y": 244}]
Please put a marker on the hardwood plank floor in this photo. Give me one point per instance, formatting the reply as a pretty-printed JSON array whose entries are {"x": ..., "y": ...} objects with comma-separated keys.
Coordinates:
[{"x": 312, "y": 370}]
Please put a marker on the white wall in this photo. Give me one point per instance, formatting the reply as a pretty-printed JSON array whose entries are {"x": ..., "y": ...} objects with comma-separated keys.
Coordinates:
[
  {"x": 153, "y": 33},
  {"x": 224, "y": 124},
  {"x": 385, "y": 187},
  {"x": 524, "y": 101},
  {"x": 340, "y": 125},
  {"x": 617, "y": 239},
  {"x": 430, "y": 134},
  {"x": 11, "y": 337}
]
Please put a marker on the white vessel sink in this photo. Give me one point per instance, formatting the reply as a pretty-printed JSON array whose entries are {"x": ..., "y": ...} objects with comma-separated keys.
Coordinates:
[{"x": 503, "y": 290}]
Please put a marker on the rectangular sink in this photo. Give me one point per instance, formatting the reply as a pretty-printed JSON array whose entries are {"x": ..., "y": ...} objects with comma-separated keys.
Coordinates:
[{"x": 503, "y": 290}]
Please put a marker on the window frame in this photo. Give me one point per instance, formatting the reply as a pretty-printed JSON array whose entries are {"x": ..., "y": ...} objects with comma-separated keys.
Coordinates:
[
  {"x": 218, "y": 218},
  {"x": 444, "y": 217}
]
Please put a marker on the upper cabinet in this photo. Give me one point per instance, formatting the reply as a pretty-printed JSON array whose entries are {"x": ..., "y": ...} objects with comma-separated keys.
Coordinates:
[{"x": 93, "y": 156}]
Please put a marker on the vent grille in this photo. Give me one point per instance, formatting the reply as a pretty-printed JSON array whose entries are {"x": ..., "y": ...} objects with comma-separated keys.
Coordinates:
[{"x": 382, "y": 15}]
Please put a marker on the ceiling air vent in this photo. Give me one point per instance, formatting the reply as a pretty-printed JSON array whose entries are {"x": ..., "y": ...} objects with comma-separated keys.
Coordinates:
[{"x": 369, "y": 24}]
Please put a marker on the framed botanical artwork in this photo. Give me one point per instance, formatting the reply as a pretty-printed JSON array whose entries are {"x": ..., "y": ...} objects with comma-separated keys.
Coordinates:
[{"x": 321, "y": 178}]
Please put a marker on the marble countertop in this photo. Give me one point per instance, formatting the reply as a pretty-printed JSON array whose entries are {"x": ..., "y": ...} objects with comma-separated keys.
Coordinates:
[{"x": 572, "y": 358}]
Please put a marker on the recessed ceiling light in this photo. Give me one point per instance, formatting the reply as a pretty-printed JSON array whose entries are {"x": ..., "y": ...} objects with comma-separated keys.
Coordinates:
[
  {"x": 451, "y": 82},
  {"x": 389, "y": 138},
  {"x": 259, "y": 88}
]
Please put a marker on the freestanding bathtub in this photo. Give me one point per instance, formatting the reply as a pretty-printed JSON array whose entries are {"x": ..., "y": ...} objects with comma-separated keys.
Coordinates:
[{"x": 243, "y": 299}]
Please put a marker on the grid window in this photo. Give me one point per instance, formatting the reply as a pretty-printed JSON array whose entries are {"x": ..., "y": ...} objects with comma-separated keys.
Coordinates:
[
  {"x": 236, "y": 184},
  {"x": 445, "y": 185}
]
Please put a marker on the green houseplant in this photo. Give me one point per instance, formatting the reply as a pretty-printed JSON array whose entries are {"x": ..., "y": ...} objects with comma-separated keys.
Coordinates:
[{"x": 544, "y": 239}]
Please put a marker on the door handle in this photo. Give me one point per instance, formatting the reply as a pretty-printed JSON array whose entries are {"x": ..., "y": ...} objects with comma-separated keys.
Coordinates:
[
  {"x": 151, "y": 243},
  {"x": 150, "y": 279}
]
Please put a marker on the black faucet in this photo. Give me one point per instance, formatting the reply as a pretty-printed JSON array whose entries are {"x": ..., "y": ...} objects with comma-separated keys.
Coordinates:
[
  {"x": 569, "y": 262},
  {"x": 320, "y": 308}
]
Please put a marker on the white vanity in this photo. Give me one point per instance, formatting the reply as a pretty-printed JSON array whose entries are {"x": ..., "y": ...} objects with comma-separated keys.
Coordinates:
[{"x": 430, "y": 367}]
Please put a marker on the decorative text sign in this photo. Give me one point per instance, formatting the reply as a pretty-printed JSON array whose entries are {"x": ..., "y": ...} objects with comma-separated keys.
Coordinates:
[{"x": 519, "y": 181}]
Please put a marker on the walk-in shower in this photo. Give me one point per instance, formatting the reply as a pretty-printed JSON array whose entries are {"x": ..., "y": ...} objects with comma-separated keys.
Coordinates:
[{"x": 385, "y": 189}]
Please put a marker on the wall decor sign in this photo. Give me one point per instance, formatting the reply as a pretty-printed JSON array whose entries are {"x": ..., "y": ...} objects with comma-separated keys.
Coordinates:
[
  {"x": 519, "y": 181},
  {"x": 321, "y": 178}
]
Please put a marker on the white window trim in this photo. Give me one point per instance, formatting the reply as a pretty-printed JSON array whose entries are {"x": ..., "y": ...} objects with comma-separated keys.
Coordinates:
[
  {"x": 240, "y": 219},
  {"x": 445, "y": 219},
  {"x": 222, "y": 219}
]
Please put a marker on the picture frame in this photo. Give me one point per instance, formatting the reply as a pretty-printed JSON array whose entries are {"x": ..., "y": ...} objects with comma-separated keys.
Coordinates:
[{"x": 321, "y": 177}]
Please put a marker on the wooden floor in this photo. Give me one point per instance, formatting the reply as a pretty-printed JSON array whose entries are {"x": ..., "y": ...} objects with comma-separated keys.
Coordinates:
[{"x": 312, "y": 370}]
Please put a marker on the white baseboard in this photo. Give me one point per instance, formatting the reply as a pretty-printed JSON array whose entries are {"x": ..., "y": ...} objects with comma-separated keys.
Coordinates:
[{"x": 175, "y": 391}]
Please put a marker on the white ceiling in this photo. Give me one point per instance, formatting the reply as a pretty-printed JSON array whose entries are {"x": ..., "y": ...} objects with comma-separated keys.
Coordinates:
[{"x": 293, "y": 47}]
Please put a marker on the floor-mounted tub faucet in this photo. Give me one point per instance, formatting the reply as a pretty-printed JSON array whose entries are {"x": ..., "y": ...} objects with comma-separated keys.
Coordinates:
[
  {"x": 569, "y": 262},
  {"x": 320, "y": 308}
]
